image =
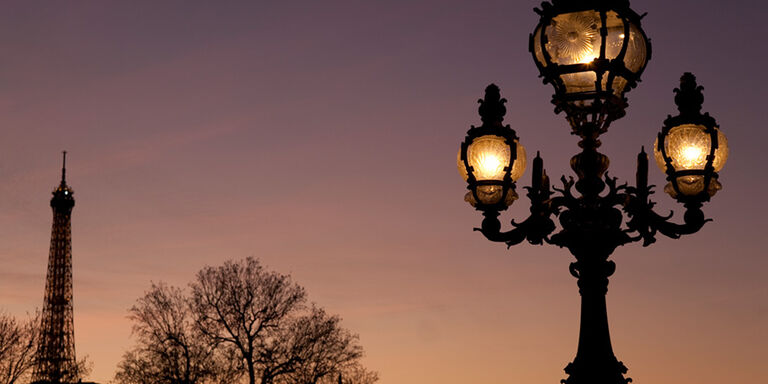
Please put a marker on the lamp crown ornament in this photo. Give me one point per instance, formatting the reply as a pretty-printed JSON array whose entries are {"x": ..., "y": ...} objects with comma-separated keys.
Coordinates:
[
  {"x": 689, "y": 97},
  {"x": 492, "y": 109}
]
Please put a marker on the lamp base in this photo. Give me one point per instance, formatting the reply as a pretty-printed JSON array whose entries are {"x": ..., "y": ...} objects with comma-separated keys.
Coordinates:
[{"x": 606, "y": 372}]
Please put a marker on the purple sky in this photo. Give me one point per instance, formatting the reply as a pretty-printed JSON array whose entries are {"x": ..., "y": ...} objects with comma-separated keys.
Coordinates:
[{"x": 321, "y": 137}]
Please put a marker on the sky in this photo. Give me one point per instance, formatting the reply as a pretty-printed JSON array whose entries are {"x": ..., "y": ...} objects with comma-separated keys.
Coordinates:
[{"x": 321, "y": 137}]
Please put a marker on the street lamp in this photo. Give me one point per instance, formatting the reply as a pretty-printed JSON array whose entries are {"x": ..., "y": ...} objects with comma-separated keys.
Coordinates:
[
  {"x": 491, "y": 158},
  {"x": 691, "y": 149},
  {"x": 592, "y": 52}
]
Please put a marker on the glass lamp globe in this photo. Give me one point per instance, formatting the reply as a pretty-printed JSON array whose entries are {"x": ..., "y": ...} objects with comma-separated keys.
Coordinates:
[
  {"x": 688, "y": 148},
  {"x": 488, "y": 159},
  {"x": 591, "y": 56}
]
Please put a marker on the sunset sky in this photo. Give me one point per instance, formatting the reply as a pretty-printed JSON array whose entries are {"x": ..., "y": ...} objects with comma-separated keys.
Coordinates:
[{"x": 321, "y": 137}]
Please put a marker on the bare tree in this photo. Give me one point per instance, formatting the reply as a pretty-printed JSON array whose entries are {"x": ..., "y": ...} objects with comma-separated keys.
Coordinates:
[
  {"x": 316, "y": 347},
  {"x": 18, "y": 342},
  {"x": 170, "y": 349},
  {"x": 240, "y": 323},
  {"x": 83, "y": 369},
  {"x": 242, "y": 305},
  {"x": 356, "y": 374}
]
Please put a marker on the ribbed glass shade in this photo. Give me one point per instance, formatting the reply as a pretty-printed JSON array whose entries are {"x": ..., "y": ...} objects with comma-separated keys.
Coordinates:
[
  {"x": 490, "y": 194},
  {"x": 692, "y": 185},
  {"x": 574, "y": 38},
  {"x": 537, "y": 51},
  {"x": 636, "y": 56},
  {"x": 688, "y": 146},
  {"x": 488, "y": 156}
]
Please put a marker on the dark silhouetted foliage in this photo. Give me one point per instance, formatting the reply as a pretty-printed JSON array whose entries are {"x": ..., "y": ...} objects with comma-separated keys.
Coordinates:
[{"x": 239, "y": 323}]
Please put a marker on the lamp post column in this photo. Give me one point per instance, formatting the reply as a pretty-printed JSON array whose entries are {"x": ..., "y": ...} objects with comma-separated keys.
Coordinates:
[
  {"x": 592, "y": 233},
  {"x": 595, "y": 362}
]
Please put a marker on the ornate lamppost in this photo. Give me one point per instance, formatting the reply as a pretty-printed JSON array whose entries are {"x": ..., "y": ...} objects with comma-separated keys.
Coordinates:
[{"x": 593, "y": 52}]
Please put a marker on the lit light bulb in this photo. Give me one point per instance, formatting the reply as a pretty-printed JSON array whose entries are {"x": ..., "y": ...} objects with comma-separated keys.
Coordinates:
[
  {"x": 589, "y": 57},
  {"x": 489, "y": 165},
  {"x": 692, "y": 156}
]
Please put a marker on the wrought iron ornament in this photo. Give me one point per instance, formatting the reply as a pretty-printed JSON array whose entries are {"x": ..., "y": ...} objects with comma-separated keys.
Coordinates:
[
  {"x": 596, "y": 215},
  {"x": 55, "y": 358},
  {"x": 593, "y": 52}
]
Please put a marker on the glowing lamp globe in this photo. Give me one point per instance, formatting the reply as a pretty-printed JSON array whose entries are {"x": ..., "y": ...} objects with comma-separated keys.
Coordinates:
[
  {"x": 691, "y": 149},
  {"x": 491, "y": 158},
  {"x": 695, "y": 155},
  {"x": 592, "y": 52},
  {"x": 488, "y": 159}
]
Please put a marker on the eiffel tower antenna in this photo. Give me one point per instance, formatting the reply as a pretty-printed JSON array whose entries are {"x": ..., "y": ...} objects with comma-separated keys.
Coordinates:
[
  {"x": 55, "y": 358},
  {"x": 64, "y": 167}
]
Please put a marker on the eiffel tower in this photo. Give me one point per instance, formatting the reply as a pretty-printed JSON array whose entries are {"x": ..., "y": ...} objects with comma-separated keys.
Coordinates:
[{"x": 55, "y": 359}]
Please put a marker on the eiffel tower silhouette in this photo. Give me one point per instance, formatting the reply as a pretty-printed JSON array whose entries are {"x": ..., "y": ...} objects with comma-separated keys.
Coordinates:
[{"x": 55, "y": 358}]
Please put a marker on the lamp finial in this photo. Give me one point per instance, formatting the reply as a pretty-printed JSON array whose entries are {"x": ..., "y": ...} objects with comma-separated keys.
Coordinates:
[
  {"x": 492, "y": 109},
  {"x": 689, "y": 97}
]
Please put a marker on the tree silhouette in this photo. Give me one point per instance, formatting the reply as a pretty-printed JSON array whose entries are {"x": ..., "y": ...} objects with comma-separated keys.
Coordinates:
[
  {"x": 239, "y": 323},
  {"x": 310, "y": 348},
  {"x": 18, "y": 343},
  {"x": 243, "y": 305},
  {"x": 170, "y": 348},
  {"x": 354, "y": 374}
]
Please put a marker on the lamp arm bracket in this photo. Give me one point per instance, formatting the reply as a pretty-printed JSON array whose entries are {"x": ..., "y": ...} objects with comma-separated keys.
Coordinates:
[
  {"x": 693, "y": 221},
  {"x": 646, "y": 222},
  {"x": 536, "y": 228}
]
